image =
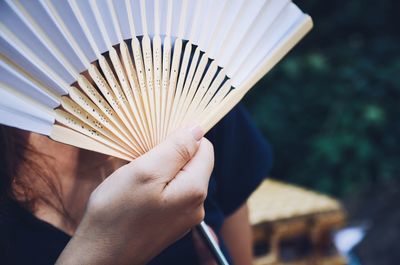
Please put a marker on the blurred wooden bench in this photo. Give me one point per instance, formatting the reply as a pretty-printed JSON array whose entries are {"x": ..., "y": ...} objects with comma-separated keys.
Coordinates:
[{"x": 294, "y": 226}]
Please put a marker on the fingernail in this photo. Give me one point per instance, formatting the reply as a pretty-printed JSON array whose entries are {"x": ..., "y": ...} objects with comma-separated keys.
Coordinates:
[{"x": 197, "y": 132}]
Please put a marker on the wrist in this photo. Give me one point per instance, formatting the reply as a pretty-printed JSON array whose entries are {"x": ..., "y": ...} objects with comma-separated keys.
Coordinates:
[{"x": 93, "y": 244}]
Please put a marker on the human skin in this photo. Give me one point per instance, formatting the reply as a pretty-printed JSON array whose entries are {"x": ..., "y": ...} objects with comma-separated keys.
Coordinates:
[
  {"x": 237, "y": 235},
  {"x": 80, "y": 172},
  {"x": 142, "y": 207}
]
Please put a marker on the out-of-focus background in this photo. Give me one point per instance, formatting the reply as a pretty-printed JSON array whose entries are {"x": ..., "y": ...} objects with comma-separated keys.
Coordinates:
[{"x": 331, "y": 110}]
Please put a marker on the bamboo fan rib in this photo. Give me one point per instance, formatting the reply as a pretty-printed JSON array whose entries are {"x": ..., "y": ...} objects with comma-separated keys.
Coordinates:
[{"x": 117, "y": 77}]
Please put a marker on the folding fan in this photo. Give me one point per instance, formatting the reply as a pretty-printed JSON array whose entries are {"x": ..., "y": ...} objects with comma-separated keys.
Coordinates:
[{"x": 117, "y": 77}]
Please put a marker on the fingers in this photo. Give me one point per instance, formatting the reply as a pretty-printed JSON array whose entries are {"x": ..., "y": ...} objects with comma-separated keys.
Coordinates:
[
  {"x": 191, "y": 183},
  {"x": 168, "y": 158}
]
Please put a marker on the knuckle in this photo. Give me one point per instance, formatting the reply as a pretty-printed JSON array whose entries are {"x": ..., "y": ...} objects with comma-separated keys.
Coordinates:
[
  {"x": 198, "y": 195},
  {"x": 140, "y": 171},
  {"x": 183, "y": 148},
  {"x": 198, "y": 215},
  {"x": 208, "y": 146}
]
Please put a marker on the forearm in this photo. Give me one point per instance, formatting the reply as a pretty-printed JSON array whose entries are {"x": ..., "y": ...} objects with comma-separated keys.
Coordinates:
[
  {"x": 237, "y": 236},
  {"x": 88, "y": 246}
]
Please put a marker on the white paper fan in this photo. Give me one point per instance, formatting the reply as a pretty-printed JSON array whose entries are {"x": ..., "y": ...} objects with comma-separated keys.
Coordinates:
[{"x": 117, "y": 77}]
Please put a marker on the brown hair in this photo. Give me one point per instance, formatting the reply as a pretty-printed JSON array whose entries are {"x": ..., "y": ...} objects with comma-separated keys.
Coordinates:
[
  {"x": 19, "y": 161},
  {"x": 13, "y": 144}
]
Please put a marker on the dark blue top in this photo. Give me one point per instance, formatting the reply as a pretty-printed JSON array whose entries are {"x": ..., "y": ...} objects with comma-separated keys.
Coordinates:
[{"x": 242, "y": 160}]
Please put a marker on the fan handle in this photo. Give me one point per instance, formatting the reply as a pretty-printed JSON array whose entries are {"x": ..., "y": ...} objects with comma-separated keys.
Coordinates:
[{"x": 211, "y": 243}]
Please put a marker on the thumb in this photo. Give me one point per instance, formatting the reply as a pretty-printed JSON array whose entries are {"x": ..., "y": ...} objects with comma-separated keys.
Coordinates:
[
  {"x": 168, "y": 158},
  {"x": 191, "y": 183}
]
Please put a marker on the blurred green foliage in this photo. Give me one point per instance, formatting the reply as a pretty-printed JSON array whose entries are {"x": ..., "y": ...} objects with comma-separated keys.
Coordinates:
[{"x": 331, "y": 107}]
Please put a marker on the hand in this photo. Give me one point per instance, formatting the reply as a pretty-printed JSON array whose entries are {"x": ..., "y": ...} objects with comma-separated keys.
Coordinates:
[{"x": 145, "y": 205}]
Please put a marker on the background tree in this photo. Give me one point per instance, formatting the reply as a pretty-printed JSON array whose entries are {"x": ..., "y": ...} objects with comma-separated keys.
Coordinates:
[{"x": 331, "y": 108}]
